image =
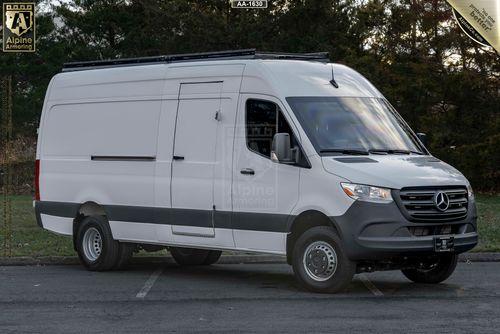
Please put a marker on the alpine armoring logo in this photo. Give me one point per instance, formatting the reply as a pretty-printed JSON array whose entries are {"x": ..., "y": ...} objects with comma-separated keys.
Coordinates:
[{"x": 18, "y": 27}]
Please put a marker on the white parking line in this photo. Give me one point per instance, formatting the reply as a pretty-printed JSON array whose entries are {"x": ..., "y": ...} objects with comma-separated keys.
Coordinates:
[
  {"x": 149, "y": 283},
  {"x": 370, "y": 286}
]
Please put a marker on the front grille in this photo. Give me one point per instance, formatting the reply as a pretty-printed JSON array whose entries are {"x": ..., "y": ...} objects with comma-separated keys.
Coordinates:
[{"x": 420, "y": 205}]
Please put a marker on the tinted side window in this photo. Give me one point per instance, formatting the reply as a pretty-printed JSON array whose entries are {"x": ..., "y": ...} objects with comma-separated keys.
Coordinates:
[{"x": 263, "y": 120}]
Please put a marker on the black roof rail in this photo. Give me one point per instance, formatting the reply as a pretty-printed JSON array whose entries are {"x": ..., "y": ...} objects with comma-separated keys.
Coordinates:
[
  {"x": 318, "y": 56},
  {"x": 203, "y": 56}
]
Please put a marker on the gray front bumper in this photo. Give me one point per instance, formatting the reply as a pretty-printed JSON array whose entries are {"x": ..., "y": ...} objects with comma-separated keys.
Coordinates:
[{"x": 372, "y": 231}]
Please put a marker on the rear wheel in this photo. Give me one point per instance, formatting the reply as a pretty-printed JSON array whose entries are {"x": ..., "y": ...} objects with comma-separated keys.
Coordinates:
[
  {"x": 319, "y": 261},
  {"x": 95, "y": 245},
  {"x": 125, "y": 253},
  {"x": 433, "y": 269},
  {"x": 212, "y": 257},
  {"x": 189, "y": 256}
]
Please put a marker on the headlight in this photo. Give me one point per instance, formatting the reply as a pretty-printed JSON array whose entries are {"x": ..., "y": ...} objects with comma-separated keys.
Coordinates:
[
  {"x": 367, "y": 193},
  {"x": 470, "y": 192}
]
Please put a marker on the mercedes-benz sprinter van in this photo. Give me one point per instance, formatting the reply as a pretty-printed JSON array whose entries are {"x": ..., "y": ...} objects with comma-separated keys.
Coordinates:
[{"x": 258, "y": 152}]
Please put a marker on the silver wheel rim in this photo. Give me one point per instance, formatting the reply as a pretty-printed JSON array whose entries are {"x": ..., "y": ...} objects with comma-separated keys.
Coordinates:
[
  {"x": 320, "y": 261},
  {"x": 92, "y": 244}
]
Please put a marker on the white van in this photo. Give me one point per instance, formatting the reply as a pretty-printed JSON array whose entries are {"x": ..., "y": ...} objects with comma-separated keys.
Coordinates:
[{"x": 258, "y": 152}]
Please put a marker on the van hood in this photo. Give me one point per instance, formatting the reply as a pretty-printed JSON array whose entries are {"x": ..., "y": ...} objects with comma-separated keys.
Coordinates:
[{"x": 394, "y": 171}]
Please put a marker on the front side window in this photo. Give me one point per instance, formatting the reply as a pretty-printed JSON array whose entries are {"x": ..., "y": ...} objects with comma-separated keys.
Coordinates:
[
  {"x": 263, "y": 120},
  {"x": 353, "y": 124}
]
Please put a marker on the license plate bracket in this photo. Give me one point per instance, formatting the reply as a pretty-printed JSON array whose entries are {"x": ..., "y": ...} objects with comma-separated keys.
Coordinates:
[{"x": 444, "y": 244}]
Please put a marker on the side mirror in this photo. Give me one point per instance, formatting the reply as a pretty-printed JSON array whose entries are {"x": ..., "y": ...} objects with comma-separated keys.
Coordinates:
[
  {"x": 422, "y": 137},
  {"x": 281, "y": 150}
]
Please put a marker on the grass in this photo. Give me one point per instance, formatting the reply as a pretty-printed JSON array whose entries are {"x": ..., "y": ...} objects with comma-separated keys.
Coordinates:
[
  {"x": 488, "y": 207},
  {"x": 30, "y": 240}
]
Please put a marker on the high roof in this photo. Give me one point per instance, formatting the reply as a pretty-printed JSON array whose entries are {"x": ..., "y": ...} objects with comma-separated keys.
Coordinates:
[
  {"x": 297, "y": 78},
  {"x": 281, "y": 75}
]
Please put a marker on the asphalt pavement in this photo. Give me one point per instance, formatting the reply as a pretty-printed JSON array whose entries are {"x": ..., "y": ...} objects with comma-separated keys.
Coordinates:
[{"x": 160, "y": 298}]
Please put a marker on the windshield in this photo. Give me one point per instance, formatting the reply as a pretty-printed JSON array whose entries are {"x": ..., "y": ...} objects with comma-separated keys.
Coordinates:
[{"x": 354, "y": 125}]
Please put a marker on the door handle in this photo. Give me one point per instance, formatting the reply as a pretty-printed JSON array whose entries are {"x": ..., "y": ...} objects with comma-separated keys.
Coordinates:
[
  {"x": 247, "y": 171},
  {"x": 178, "y": 157}
]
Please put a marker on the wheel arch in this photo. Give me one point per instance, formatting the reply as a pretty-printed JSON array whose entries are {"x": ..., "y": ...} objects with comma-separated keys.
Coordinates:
[
  {"x": 87, "y": 209},
  {"x": 303, "y": 222}
]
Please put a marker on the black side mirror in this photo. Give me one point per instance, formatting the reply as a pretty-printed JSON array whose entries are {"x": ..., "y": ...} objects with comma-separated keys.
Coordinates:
[
  {"x": 422, "y": 137},
  {"x": 281, "y": 150}
]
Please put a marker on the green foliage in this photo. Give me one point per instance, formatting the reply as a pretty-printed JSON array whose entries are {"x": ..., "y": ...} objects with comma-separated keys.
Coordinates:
[{"x": 438, "y": 79}]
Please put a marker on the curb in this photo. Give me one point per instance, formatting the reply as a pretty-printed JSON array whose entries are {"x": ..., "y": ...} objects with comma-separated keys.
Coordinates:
[
  {"x": 225, "y": 259},
  {"x": 479, "y": 257}
]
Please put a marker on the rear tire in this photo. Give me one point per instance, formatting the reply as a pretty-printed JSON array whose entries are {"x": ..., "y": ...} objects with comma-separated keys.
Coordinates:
[
  {"x": 319, "y": 261},
  {"x": 438, "y": 270},
  {"x": 212, "y": 257},
  {"x": 189, "y": 256},
  {"x": 124, "y": 255},
  {"x": 96, "y": 248}
]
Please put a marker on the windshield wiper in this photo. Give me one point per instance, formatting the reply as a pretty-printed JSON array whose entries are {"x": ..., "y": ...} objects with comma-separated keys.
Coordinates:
[
  {"x": 393, "y": 151},
  {"x": 344, "y": 151},
  {"x": 364, "y": 152}
]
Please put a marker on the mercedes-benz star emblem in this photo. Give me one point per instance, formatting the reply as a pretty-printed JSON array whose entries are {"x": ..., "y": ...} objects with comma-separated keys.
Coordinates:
[{"x": 442, "y": 201}]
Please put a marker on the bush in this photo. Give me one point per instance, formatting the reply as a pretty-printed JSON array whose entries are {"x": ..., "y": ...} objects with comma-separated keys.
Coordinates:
[{"x": 22, "y": 177}]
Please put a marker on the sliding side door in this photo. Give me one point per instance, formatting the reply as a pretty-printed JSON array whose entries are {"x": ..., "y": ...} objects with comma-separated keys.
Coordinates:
[{"x": 194, "y": 160}]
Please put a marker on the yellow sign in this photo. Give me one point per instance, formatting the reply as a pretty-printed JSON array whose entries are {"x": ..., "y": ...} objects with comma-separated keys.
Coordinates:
[
  {"x": 480, "y": 20},
  {"x": 18, "y": 27}
]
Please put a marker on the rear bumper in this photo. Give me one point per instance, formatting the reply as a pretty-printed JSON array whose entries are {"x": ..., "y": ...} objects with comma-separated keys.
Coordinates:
[
  {"x": 36, "y": 205},
  {"x": 372, "y": 231},
  {"x": 57, "y": 210}
]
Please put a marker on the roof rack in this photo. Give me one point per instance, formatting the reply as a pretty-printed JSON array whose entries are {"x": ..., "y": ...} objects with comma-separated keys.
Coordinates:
[{"x": 203, "y": 56}]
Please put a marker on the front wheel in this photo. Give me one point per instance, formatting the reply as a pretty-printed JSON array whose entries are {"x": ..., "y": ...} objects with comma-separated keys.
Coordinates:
[
  {"x": 432, "y": 270},
  {"x": 319, "y": 261}
]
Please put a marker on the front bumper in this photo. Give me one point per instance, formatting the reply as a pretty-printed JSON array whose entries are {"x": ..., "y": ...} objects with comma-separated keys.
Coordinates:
[{"x": 373, "y": 231}]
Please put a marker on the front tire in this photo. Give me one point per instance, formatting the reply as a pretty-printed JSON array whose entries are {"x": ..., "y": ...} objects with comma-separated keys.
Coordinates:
[
  {"x": 433, "y": 270},
  {"x": 96, "y": 248},
  {"x": 319, "y": 261}
]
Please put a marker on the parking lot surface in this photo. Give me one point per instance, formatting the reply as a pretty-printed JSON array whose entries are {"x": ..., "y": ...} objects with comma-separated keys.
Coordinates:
[{"x": 242, "y": 297}]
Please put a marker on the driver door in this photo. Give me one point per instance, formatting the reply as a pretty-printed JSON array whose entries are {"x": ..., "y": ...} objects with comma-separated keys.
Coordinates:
[{"x": 264, "y": 192}]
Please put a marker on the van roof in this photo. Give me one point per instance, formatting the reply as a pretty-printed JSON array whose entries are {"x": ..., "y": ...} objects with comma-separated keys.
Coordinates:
[
  {"x": 264, "y": 73},
  {"x": 309, "y": 78},
  {"x": 190, "y": 57}
]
